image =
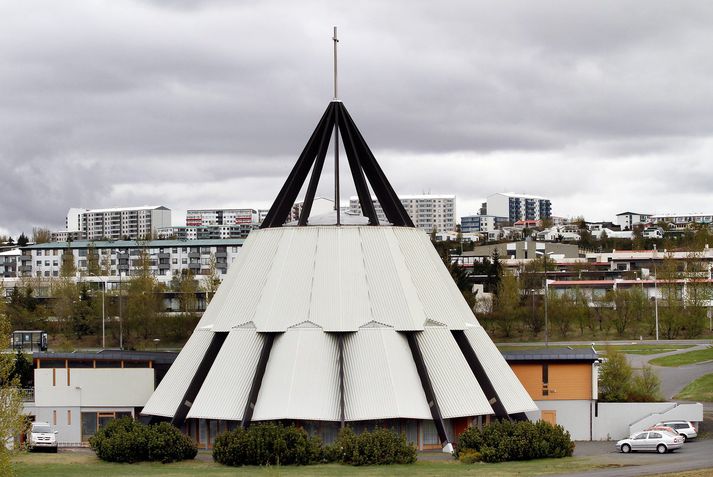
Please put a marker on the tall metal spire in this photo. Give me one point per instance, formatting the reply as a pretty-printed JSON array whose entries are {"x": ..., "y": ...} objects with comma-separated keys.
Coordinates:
[{"x": 337, "y": 208}]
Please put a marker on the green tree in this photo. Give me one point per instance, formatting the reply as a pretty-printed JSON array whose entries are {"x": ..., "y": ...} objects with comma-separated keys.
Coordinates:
[
  {"x": 11, "y": 418},
  {"x": 67, "y": 268},
  {"x": 646, "y": 386},
  {"x": 41, "y": 235},
  {"x": 143, "y": 300},
  {"x": 506, "y": 307},
  {"x": 93, "y": 265},
  {"x": 212, "y": 278},
  {"x": 614, "y": 377},
  {"x": 22, "y": 240}
]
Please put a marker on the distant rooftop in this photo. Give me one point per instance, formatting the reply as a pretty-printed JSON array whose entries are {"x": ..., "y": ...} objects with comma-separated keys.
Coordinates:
[
  {"x": 552, "y": 354},
  {"x": 416, "y": 196},
  {"x": 136, "y": 243},
  {"x": 167, "y": 357},
  {"x": 120, "y": 209}
]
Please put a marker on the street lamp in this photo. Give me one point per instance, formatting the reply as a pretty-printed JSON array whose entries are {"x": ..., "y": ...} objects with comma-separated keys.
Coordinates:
[{"x": 103, "y": 315}]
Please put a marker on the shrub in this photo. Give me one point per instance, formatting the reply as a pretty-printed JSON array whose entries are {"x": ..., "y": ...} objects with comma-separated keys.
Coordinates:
[
  {"x": 522, "y": 440},
  {"x": 378, "y": 447},
  {"x": 127, "y": 440},
  {"x": 168, "y": 444},
  {"x": 469, "y": 456},
  {"x": 267, "y": 444}
]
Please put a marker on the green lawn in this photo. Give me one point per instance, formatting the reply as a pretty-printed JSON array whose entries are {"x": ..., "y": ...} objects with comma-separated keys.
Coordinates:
[
  {"x": 683, "y": 359},
  {"x": 699, "y": 390},
  {"x": 71, "y": 464},
  {"x": 624, "y": 348}
]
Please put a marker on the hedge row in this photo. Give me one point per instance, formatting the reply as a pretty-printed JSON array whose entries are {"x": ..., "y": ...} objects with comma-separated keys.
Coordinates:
[
  {"x": 275, "y": 444},
  {"x": 127, "y": 440},
  {"x": 521, "y": 440}
]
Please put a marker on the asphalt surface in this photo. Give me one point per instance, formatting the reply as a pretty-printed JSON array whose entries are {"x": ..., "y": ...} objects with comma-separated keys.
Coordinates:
[
  {"x": 674, "y": 379},
  {"x": 696, "y": 454}
]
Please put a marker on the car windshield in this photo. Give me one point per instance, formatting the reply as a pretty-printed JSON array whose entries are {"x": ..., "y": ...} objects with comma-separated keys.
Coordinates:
[{"x": 43, "y": 429}]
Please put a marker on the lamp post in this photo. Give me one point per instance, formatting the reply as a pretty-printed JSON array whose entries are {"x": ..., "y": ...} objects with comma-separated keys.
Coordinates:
[
  {"x": 104, "y": 315},
  {"x": 547, "y": 344}
]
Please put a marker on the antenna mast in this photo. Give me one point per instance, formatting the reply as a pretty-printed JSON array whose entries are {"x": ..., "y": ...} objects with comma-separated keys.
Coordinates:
[{"x": 336, "y": 135}]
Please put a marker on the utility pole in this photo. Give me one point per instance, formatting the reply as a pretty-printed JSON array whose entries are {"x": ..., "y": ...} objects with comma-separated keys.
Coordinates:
[{"x": 336, "y": 136}]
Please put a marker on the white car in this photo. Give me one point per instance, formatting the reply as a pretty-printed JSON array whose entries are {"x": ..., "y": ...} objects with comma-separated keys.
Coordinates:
[
  {"x": 683, "y": 428},
  {"x": 42, "y": 437},
  {"x": 659, "y": 441}
]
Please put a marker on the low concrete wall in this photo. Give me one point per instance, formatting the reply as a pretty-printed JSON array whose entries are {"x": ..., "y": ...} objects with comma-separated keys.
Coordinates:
[
  {"x": 587, "y": 420},
  {"x": 617, "y": 420}
]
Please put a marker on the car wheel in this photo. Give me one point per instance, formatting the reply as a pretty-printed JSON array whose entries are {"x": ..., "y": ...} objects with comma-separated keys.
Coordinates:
[
  {"x": 54, "y": 450},
  {"x": 661, "y": 449},
  {"x": 683, "y": 436},
  {"x": 626, "y": 448}
]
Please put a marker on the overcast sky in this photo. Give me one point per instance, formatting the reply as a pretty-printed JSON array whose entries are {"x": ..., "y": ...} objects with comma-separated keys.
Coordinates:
[{"x": 602, "y": 106}]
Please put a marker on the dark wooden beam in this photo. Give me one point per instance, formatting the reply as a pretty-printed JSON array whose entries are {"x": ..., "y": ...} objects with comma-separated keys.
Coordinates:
[
  {"x": 257, "y": 380},
  {"x": 206, "y": 363},
  {"x": 427, "y": 387}
]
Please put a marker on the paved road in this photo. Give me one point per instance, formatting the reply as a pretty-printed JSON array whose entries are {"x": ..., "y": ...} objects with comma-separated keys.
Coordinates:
[
  {"x": 674, "y": 379},
  {"x": 694, "y": 455}
]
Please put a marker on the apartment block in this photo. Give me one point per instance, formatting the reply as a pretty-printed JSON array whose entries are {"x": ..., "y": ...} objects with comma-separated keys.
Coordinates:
[
  {"x": 198, "y": 217},
  {"x": 123, "y": 223},
  {"x": 481, "y": 223},
  {"x": 626, "y": 220},
  {"x": 206, "y": 232},
  {"x": 115, "y": 258},
  {"x": 683, "y": 220},
  {"x": 428, "y": 212},
  {"x": 518, "y": 206}
]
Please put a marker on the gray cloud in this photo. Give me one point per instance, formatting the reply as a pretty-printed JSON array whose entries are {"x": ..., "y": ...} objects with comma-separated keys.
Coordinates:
[{"x": 604, "y": 106}]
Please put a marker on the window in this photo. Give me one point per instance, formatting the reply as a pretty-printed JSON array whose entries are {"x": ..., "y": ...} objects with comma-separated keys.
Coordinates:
[
  {"x": 175, "y": 250},
  {"x": 184, "y": 261},
  {"x": 174, "y": 261},
  {"x": 654, "y": 435},
  {"x": 47, "y": 263},
  {"x": 640, "y": 436}
]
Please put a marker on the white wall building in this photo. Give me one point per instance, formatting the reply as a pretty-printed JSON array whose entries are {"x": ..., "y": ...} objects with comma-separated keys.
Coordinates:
[
  {"x": 166, "y": 257},
  {"x": 427, "y": 212},
  {"x": 683, "y": 220},
  {"x": 518, "y": 206},
  {"x": 130, "y": 223},
  {"x": 626, "y": 220},
  {"x": 481, "y": 223},
  {"x": 77, "y": 393},
  {"x": 197, "y": 217}
]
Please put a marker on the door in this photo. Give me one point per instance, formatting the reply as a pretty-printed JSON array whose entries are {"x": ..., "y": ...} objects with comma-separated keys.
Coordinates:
[
  {"x": 549, "y": 416},
  {"x": 653, "y": 440},
  {"x": 639, "y": 441}
]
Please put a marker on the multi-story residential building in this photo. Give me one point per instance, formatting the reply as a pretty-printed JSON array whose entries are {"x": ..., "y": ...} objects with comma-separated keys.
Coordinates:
[
  {"x": 206, "y": 232},
  {"x": 428, "y": 212},
  {"x": 198, "y": 217},
  {"x": 8, "y": 263},
  {"x": 481, "y": 223},
  {"x": 683, "y": 220},
  {"x": 627, "y": 220},
  {"x": 123, "y": 223},
  {"x": 519, "y": 206},
  {"x": 115, "y": 258}
]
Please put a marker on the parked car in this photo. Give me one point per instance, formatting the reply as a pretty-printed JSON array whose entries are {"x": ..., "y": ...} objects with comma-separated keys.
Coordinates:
[
  {"x": 659, "y": 441},
  {"x": 42, "y": 437},
  {"x": 670, "y": 430},
  {"x": 683, "y": 428}
]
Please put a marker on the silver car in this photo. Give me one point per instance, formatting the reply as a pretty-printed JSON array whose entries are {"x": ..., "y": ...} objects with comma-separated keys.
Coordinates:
[
  {"x": 659, "y": 441},
  {"x": 684, "y": 428}
]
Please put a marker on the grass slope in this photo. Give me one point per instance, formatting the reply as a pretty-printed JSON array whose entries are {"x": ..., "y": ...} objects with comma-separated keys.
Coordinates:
[
  {"x": 71, "y": 464},
  {"x": 699, "y": 390},
  {"x": 683, "y": 359}
]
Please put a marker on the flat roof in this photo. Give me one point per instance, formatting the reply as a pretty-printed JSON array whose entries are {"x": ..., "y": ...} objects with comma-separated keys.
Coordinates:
[
  {"x": 552, "y": 354},
  {"x": 166, "y": 357},
  {"x": 135, "y": 243}
]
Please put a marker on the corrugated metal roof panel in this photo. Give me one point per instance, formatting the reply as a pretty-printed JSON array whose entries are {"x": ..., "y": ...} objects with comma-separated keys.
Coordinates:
[
  {"x": 226, "y": 387},
  {"x": 380, "y": 377},
  {"x": 286, "y": 293},
  {"x": 457, "y": 391},
  {"x": 167, "y": 397},
  {"x": 439, "y": 296},
  {"x": 238, "y": 295},
  {"x": 509, "y": 389},
  {"x": 339, "y": 278},
  {"x": 302, "y": 378}
]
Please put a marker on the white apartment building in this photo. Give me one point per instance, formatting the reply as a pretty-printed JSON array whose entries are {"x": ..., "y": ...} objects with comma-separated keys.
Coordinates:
[
  {"x": 518, "y": 206},
  {"x": 683, "y": 220},
  {"x": 481, "y": 223},
  {"x": 115, "y": 258},
  {"x": 626, "y": 220},
  {"x": 428, "y": 212},
  {"x": 205, "y": 232},
  {"x": 197, "y": 217},
  {"x": 122, "y": 223}
]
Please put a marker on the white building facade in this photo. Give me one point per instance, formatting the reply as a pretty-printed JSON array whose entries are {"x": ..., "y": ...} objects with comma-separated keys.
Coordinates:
[
  {"x": 626, "y": 220},
  {"x": 519, "y": 206},
  {"x": 428, "y": 212},
  {"x": 122, "y": 223},
  {"x": 198, "y": 217}
]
